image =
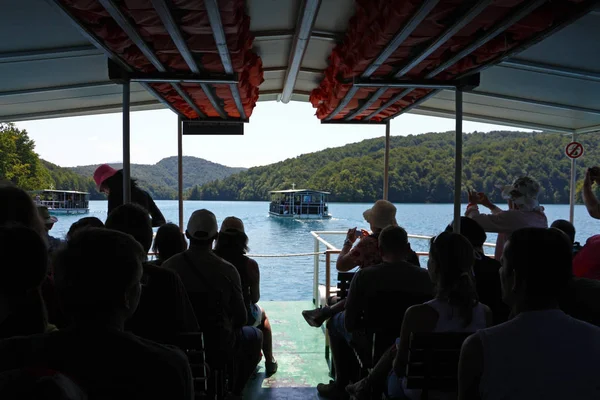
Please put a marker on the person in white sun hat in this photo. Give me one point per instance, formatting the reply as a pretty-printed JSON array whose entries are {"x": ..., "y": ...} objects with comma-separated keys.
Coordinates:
[{"x": 524, "y": 211}]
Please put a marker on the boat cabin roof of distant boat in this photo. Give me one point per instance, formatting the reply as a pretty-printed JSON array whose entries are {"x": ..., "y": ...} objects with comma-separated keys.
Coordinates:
[{"x": 298, "y": 191}]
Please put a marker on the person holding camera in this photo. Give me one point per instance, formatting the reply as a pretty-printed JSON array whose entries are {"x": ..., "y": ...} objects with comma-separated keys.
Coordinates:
[{"x": 589, "y": 198}]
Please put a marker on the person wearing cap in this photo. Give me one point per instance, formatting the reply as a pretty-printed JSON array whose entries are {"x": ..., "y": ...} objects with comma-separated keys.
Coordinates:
[
  {"x": 524, "y": 211},
  {"x": 365, "y": 254},
  {"x": 110, "y": 181},
  {"x": 232, "y": 245},
  {"x": 202, "y": 271},
  {"x": 49, "y": 221}
]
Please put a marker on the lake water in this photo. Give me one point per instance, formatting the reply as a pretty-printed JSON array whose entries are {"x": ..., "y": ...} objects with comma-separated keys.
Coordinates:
[{"x": 291, "y": 278}]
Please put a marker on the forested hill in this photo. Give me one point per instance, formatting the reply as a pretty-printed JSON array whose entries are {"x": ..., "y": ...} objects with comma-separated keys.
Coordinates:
[
  {"x": 160, "y": 179},
  {"x": 421, "y": 168}
]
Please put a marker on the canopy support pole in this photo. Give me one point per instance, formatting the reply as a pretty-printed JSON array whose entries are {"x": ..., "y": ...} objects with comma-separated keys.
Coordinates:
[
  {"x": 572, "y": 187},
  {"x": 126, "y": 144},
  {"x": 458, "y": 158},
  {"x": 180, "y": 170},
  {"x": 386, "y": 162}
]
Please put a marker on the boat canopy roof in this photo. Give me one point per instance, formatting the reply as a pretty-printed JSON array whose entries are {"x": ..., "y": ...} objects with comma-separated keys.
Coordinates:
[
  {"x": 357, "y": 61},
  {"x": 296, "y": 191},
  {"x": 57, "y": 191}
]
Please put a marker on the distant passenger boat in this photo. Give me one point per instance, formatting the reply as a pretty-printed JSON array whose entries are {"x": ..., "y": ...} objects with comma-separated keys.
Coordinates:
[
  {"x": 63, "y": 202},
  {"x": 299, "y": 204}
]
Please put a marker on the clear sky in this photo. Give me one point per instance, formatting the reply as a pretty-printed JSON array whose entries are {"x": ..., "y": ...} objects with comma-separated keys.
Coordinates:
[{"x": 276, "y": 132}]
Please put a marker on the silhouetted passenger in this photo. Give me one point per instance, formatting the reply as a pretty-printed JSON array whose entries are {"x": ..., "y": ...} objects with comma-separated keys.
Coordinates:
[
  {"x": 455, "y": 308},
  {"x": 86, "y": 222},
  {"x": 396, "y": 275},
  {"x": 110, "y": 181},
  {"x": 49, "y": 221},
  {"x": 569, "y": 230},
  {"x": 524, "y": 211},
  {"x": 542, "y": 352},
  {"x": 164, "y": 309},
  {"x": 202, "y": 271},
  {"x": 99, "y": 294},
  {"x": 365, "y": 254},
  {"x": 168, "y": 241},
  {"x": 485, "y": 270},
  {"x": 232, "y": 245},
  {"x": 23, "y": 269},
  {"x": 589, "y": 198}
]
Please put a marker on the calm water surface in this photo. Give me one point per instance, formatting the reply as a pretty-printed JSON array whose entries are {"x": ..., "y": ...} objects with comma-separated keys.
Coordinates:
[{"x": 291, "y": 278}]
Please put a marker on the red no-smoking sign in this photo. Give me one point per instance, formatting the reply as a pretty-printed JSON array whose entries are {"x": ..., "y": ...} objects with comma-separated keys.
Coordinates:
[{"x": 574, "y": 150}]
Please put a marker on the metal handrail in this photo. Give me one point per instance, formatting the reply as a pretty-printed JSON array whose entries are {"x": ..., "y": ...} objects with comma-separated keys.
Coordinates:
[{"x": 332, "y": 249}]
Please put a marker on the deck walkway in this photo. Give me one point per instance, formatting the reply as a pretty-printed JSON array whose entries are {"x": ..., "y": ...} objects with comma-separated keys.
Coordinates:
[{"x": 300, "y": 352}]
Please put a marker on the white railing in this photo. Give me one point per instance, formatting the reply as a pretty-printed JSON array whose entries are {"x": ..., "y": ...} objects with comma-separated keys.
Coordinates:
[{"x": 332, "y": 249}]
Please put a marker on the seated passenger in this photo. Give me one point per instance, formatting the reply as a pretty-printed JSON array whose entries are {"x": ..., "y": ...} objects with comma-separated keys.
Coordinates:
[
  {"x": 17, "y": 206},
  {"x": 202, "y": 271},
  {"x": 365, "y": 254},
  {"x": 396, "y": 275},
  {"x": 23, "y": 269},
  {"x": 168, "y": 241},
  {"x": 485, "y": 270},
  {"x": 569, "y": 230},
  {"x": 232, "y": 245},
  {"x": 589, "y": 198},
  {"x": 541, "y": 353},
  {"x": 86, "y": 222},
  {"x": 586, "y": 264},
  {"x": 96, "y": 352},
  {"x": 49, "y": 221},
  {"x": 165, "y": 310},
  {"x": 524, "y": 211},
  {"x": 454, "y": 309}
]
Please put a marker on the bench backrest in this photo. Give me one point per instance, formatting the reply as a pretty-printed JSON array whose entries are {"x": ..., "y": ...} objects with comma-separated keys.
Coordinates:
[
  {"x": 192, "y": 344},
  {"x": 343, "y": 284},
  {"x": 433, "y": 361}
]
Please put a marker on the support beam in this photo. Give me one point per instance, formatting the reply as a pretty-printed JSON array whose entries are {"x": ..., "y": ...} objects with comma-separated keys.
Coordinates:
[
  {"x": 589, "y": 129},
  {"x": 460, "y": 23},
  {"x": 92, "y": 38},
  {"x": 115, "y": 12},
  {"x": 458, "y": 161},
  {"x": 214, "y": 18},
  {"x": 50, "y": 89},
  {"x": 126, "y": 145},
  {"x": 413, "y": 105},
  {"x": 572, "y": 187},
  {"x": 386, "y": 162},
  {"x": 412, "y": 84},
  {"x": 180, "y": 170},
  {"x": 49, "y": 54},
  {"x": 514, "y": 17},
  {"x": 307, "y": 16},
  {"x": 518, "y": 14},
  {"x": 551, "y": 69},
  {"x": 405, "y": 32},
  {"x": 288, "y": 33},
  {"x": 548, "y": 104}
]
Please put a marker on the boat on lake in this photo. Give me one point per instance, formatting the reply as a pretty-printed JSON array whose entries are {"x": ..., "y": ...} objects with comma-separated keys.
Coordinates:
[
  {"x": 299, "y": 204},
  {"x": 62, "y": 202}
]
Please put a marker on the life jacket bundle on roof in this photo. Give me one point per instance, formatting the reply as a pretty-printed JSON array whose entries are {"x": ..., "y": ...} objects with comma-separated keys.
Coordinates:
[
  {"x": 375, "y": 24},
  {"x": 192, "y": 18}
]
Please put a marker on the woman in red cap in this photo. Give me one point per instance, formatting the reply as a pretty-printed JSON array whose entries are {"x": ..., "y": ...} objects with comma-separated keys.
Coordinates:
[{"x": 110, "y": 181}]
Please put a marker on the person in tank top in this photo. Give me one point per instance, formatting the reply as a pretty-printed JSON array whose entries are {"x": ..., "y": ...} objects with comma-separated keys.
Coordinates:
[
  {"x": 542, "y": 353},
  {"x": 455, "y": 308}
]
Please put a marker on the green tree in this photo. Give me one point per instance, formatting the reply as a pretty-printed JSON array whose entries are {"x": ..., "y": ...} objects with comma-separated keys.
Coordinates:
[{"x": 19, "y": 163}]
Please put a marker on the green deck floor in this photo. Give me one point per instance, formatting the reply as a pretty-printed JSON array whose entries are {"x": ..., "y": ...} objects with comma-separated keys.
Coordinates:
[{"x": 300, "y": 352}]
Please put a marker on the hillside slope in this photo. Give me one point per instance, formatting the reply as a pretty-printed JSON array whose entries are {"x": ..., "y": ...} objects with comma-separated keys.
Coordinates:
[
  {"x": 421, "y": 168},
  {"x": 160, "y": 179}
]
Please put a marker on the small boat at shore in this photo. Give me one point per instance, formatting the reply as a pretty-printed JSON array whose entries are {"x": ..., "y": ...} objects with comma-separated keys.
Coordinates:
[
  {"x": 299, "y": 204},
  {"x": 62, "y": 202}
]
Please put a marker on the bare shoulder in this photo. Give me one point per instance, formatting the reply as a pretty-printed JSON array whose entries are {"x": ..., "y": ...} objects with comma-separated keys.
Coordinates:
[{"x": 422, "y": 316}]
